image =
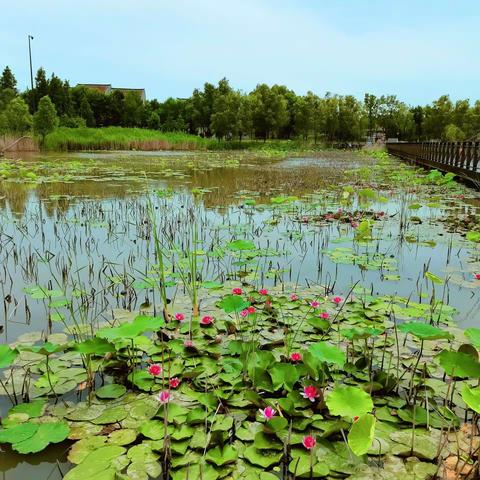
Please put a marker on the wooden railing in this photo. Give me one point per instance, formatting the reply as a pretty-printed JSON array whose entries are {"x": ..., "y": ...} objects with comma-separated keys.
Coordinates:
[{"x": 461, "y": 158}]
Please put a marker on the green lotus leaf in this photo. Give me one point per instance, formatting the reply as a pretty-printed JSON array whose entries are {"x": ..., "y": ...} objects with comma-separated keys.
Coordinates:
[
  {"x": 327, "y": 353},
  {"x": 222, "y": 455},
  {"x": 283, "y": 375},
  {"x": 110, "y": 391},
  {"x": 301, "y": 465},
  {"x": 349, "y": 402},
  {"x": 124, "y": 436},
  {"x": 233, "y": 303},
  {"x": 7, "y": 355},
  {"x": 424, "y": 331},
  {"x": 51, "y": 432},
  {"x": 473, "y": 334},
  {"x": 240, "y": 245},
  {"x": 471, "y": 396},
  {"x": 361, "y": 434},
  {"x": 33, "y": 409},
  {"x": 140, "y": 325},
  {"x": 262, "y": 458},
  {"x": 457, "y": 364},
  {"x": 94, "y": 346}
]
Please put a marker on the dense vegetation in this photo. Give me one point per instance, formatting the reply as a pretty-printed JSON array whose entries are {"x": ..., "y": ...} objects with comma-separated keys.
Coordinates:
[{"x": 222, "y": 112}]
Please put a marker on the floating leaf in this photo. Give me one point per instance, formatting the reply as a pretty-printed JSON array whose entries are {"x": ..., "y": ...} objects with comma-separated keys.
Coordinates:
[
  {"x": 349, "y": 402},
  {"x": 110, "y": 391}
]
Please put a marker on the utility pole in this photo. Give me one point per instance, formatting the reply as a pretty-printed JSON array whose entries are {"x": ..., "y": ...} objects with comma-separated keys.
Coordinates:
[{"x": 30, "y": 55}]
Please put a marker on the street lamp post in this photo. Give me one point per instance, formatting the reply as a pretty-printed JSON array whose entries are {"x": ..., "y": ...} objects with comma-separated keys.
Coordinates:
[{"x": 30, "y": 55}]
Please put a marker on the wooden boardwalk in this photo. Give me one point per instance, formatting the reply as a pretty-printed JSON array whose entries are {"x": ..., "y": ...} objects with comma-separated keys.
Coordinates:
[{"x": 460, "y": 158}]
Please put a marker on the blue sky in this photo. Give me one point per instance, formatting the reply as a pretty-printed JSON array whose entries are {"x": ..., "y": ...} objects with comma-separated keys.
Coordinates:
[{"x": 418, "y": 49}]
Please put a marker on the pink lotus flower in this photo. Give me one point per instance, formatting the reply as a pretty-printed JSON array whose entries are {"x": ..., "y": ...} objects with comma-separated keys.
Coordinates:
[
  {"x": 188, "y": 343},
  {"x": 295, "y": 357},
  {"x": 164, "y": 396},
  {"x": 268, "y": 303},
  {"x": 174, "y": 382},
  {"x": 268, "y": 413},
  {"x": 155, "y": 369},
  {"x": 324, "y": 315},
  {"x": 314, "y": 304},
  {"x": 310, "y": 392},
  {"x": 251, "y": 309},
  {"x": 237, "y": 291},
  {"x": 180, "y": 317},
  {"x": 337, "y": 300},
  {"x": 263, "y": 291},
  {"x": 293, "y": 297},
  {"x": 477, "y": 276},
  {"x": 309, "y": 442},
  {"x": 206, "y": 320},
  {"x": 244, "y": 313}
]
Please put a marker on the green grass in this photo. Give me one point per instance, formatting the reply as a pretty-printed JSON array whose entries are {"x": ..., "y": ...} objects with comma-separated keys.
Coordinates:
[{"x": 120, "y": 138}]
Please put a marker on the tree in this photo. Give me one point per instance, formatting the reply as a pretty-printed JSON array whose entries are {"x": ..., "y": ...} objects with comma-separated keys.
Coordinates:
[
  {"x": 17, "y": 118},
  {"x": 85, "y": 110},
  {"x": 225, "y": 114},
  {"x": 133, "y": 110},
  {"x": 452, "y": 133},
  {"x": 269, "y": 111},
  {"x": 8, "y": 80},
  {"x": 41, "y": 86},
  {"x": 45, "y": 119},
  {"x": 371, "y": 107}
]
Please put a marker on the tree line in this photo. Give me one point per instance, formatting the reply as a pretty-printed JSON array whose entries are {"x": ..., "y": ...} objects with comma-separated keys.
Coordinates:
[{"x": 221, "y": 111}]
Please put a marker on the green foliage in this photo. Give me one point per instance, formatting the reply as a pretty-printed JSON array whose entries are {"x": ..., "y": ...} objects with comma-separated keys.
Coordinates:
[
  {"x": 347, "y": 401},
  {"x": 361, "y": 434},
  {"x": 45, "y": 118}
]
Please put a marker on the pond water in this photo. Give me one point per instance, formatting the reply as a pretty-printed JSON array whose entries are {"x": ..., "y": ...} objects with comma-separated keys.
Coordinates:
[{"x": 77, "y": 225}]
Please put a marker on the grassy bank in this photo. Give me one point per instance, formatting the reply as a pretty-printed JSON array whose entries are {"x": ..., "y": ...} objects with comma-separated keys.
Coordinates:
[{"x": 119, "y": 138}]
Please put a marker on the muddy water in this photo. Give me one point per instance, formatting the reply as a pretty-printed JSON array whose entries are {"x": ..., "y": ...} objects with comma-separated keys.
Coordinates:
[{"x": 82, "y": 227}]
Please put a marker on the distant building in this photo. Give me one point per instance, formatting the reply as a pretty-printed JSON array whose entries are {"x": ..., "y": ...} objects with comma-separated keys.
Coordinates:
[{"x": 107, "y": 88}]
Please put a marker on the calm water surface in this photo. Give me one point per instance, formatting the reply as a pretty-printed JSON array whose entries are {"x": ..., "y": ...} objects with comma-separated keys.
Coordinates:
[{"x": 84, "y": 227}]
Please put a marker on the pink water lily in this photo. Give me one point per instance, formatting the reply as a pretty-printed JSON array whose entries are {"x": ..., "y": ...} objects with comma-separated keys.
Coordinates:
[
  {"x": 180, "y": 317},
  {"x": 164, "y": 396},
  {"x": 309, "y": 442},
  {"x": 174, "y": 382},
  {"x": 263, "y": 291},
  {"x": 324, "y": 315},
  {"x": 268, "y": 413},
  {"x": 354, "y": 225},
  {"x": 244, "y": 313},
  {"x": 188, "y": 343},
  {"x": 237, "y": 291},
  {"x": 206, "y": 320},
  {"x": 295, "y": 357},
  {"x": 314, "y": 304},
  {"x": 477, "y": 276},
  {"x": 155, "y": 369},
  {"x": 251, "y": 309},
  {"x": 337, "y": 300},
  {"x": 293, "y": 297},
  {"x": 310, "y": 392}
]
